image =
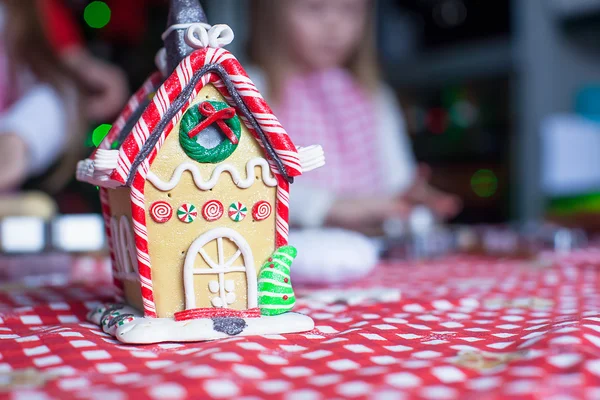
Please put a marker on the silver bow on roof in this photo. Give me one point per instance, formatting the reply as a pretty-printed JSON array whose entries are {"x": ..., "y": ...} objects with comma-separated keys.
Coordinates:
[{"x": 181, "y": 12}]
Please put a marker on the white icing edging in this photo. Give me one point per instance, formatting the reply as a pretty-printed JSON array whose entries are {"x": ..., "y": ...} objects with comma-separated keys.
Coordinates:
[
  {"x": 222, "y": 267},
  {"x": 106, "y": 159},
  {"x": 85, "y": 169},
  {"x": 216, "y": 174},
  {"x": 86, "y": 172},
  {"x": 156, "y": 330},
  {"x": 199, "y": 35},
  {"x": 311, "y": 157},
  {"x": 139, "y": 330}
]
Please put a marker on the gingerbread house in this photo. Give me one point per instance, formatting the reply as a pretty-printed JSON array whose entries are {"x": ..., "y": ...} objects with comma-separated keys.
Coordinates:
[{"x": 194, "y": 181}]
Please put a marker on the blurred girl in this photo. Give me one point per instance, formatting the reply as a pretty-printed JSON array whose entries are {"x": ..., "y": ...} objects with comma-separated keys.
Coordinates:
[{"x": 317, "y": 61}]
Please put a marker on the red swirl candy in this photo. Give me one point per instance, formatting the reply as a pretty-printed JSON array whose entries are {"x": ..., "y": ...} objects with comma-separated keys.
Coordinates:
[
  {"x": 161, "y": 211},
  {"x": 261, "y": 210},
  {"x": 212, "y": 210}
]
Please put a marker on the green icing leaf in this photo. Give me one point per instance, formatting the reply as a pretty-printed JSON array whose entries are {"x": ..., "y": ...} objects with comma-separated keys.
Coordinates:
[{"x": 100, "y": 133}]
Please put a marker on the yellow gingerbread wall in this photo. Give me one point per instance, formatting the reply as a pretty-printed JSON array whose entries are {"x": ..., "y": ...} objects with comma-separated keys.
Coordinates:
[{"x": 169, "y": 242}]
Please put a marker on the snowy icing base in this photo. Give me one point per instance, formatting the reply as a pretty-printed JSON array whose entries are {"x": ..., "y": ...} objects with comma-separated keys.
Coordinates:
[{"x": 128, "y": 325}]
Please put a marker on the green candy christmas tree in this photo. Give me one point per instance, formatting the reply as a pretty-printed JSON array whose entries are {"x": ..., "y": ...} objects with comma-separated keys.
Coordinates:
[{"x": 275, "y": 293}]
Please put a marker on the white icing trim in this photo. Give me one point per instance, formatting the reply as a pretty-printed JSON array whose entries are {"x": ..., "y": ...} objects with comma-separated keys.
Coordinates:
[
  {"x": 218, "y": 270},
  {"x": 311, "y": 157},
  {"x": 275, "y": 282},
  {"x": 156, "y": 330},
  {"x": 86, "y": 172},
  {"x": 199, "y": 35},
  {"x": 277, "y": 306},
  {"x": 267, "y": 178},
  {"x": 221, "y": 267},
  {"x": 106, "y": 159},
  {"x": 178, "y": 27}
]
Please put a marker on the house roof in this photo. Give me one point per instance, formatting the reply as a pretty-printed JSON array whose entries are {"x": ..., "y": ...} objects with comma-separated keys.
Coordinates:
[{"x": 112, "y": 165}]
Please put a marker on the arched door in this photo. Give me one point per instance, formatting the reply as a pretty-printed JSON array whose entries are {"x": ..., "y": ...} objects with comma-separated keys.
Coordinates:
[{"x": 219, "y": 267}]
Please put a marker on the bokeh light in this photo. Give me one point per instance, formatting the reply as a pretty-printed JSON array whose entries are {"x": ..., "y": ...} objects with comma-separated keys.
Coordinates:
[
  {"x": 437, "y": 121},
  {"x": 484, "y": 183},
  {"x": 100, "y": 133},
  {"x": 463, "y": 113},
  {"x": 97, "y": 14}
]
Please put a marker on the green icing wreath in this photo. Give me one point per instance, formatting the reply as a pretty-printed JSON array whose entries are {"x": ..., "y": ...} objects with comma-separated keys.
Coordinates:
[{"x": 195, "y": 150}]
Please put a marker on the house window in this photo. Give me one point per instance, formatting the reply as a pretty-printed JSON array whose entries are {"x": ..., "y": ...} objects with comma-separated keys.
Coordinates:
[{"x": 209, "y": 131}]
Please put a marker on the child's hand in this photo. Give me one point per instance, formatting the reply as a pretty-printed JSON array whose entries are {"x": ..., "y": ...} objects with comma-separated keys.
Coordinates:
[
  {"x": 367, "y": 214},
  {"x": 421, "y": 192},
  {"x": 13, "y": 161},
  {"x": 105, "y": 85}
]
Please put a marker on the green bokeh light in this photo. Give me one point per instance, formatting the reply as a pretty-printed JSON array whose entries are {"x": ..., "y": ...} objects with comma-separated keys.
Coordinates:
[
  {"x": 484, "y": 183},
  {"x": 97, "y": 14},
  {"x": 100, "y": 133}
]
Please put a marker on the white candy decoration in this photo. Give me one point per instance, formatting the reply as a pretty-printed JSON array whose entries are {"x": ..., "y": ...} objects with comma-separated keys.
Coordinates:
[
  {"x": 230, "y": 288},
  {"x": 230, "y": 297},
  {"x": 311, "y": 157},
  {"x": 213, "y": 286},
  {"x": 217, "y": 302}
]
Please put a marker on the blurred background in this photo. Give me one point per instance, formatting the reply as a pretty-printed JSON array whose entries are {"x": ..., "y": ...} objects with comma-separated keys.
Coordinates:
[
  {"x": 501, "y": 98},
  {"x": 477, "y": 80}
]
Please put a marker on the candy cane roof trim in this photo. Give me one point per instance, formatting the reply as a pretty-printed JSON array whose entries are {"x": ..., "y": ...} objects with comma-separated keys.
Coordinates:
[
  {"x": 96, "y": 172},
  {"x": 216, "y": 66}
]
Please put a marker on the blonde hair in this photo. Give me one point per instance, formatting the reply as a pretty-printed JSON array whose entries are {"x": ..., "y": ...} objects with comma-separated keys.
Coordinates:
[{"x": 265, "y": 28}]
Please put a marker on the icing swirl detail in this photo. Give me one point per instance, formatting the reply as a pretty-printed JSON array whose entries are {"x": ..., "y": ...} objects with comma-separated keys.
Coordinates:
[
  {"x": 216, "y": 174},
  {"x": 199, "y": 35}
]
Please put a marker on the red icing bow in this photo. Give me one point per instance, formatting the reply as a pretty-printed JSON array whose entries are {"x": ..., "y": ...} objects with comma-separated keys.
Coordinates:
[{"x": 214, "y": 116}]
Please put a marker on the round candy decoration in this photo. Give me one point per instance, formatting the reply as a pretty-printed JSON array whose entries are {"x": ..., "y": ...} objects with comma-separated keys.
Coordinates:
[
  {"x": 261, "y": 210},
  {"x": 237, "y": 211},
  {"x": 212, "y": 210},
  {"x": 187, "y": 213},
  {"x": 161, "y": 211}
]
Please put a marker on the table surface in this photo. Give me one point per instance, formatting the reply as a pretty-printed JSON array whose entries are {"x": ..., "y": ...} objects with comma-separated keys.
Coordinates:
[{"x": 465, "y": 327}]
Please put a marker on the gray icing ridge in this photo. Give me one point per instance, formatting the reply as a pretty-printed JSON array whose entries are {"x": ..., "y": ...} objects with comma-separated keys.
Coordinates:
[
  {"x": 181, "y": 101},
  {"x": 229, "y": 325}
]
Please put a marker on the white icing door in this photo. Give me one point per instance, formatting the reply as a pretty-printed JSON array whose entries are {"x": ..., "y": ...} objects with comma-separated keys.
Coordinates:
[{"x": 222, "y": 288}]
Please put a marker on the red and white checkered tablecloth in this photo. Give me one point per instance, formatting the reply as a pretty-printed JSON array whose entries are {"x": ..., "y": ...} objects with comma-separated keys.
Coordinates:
[{"x": 466, "y": 327}]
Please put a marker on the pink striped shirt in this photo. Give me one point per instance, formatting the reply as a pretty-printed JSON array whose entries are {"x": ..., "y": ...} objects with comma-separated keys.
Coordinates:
[{"x": 332, "y": 109}]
